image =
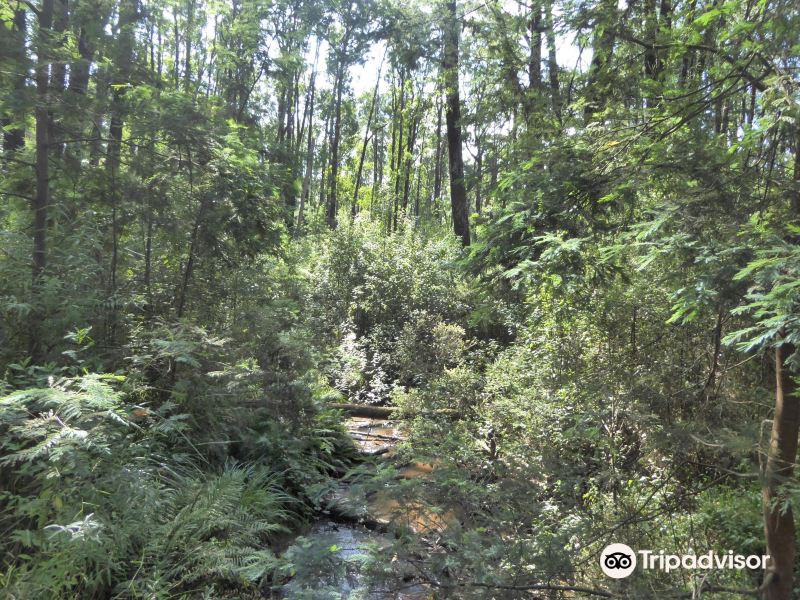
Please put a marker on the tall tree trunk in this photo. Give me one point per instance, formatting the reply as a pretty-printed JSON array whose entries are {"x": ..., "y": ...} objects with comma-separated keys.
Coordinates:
[
  {"x": 124, "y": 57},
  {"x": 651, "y": 31},
  {"x": 552, "y": 62},
  {"x": 78, "y": 105},
  {"x": 478, "y": 173},
  {"x": 14, "y": 135},
  {"x": 58, "y": 74},
  {"x": 98, "y": 116},
  {"x": 376, "y": 153},
  {"x": 177, "y": 60},
  {"x": 187, "y": 45},
  {"x": 304, "y": 195},
  {"x": 412, "y": 140},
  {"x": 366, "y": 137},
  {"x": 41, "y": 200},
  {"x": 323, "y": 200},
  {"x": 148, "y": 252},
  {"x": 392, "y": 149},
  {"x": 494, "y": 167},
  {"x": 193, "y": 242},
  {"x": 281, "y": 120},
  {"x": 458, "y": 192},
  {"x": 437, "y": 167},
  {"x": 779, "y": 528},
  {"x": 396, "y": 171},
  {"x": 333, "y": 205},
  {"x": 419, "y": 179},
  {"x": 602, "y": 51},
  {"x": 287, "y": 155},
  {"x": 535, "y": 55},
  {"x": 654, "y": 24}
]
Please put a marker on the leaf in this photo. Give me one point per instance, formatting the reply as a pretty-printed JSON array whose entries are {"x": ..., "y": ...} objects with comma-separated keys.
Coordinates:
[
  {"x": 707, "y": 17},
  {"x": 755, "y": 265}
]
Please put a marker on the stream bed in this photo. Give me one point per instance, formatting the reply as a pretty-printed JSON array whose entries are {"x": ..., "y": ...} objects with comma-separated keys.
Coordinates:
[{"x": 337, "y": 550}]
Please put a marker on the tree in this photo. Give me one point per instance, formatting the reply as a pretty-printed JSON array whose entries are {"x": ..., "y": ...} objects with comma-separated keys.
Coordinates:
[
  {"x": 13, "y": 118},
  {"x": 41, "y": 200},
  {"x": 458, "y": 190}
]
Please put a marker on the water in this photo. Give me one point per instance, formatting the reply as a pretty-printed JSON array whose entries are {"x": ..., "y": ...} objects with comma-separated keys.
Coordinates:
[{"x": 346, "y": 560}]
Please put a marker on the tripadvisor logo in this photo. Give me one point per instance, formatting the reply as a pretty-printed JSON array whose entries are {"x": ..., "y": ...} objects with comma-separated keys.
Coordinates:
[{"x": 619, "y": 561}]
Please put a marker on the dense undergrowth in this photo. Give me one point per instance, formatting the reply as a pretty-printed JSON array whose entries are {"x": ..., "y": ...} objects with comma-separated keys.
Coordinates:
[
  {"x": 183, "y": 472},
  {"x": 187, "y": 470},
  {"x": 561, "y": 412},
  {"x": 562, "y": 237}
]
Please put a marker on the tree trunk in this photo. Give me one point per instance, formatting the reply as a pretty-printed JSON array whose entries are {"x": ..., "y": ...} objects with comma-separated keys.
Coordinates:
[
  {"x": 399, "y": 152},
  {"x": 366, "y": 138},
  {"x": 304, "y": 195},
  {"x": 376, "y": 139},
  {"x": 148, "y": 252},
  {"x": 98, "y": 116},
  {"x": 124, "y": 57},
  {"x": 779, "y": 526},
  {"x": 392, "y": 150},
  {"x": 58, "y": 75},
  {"x": 42, "y": 198},
  {"x": 437, "y": 167},
  {"x": 14, "y": 136},
  {"x": 651, "y": 31},
  {"x": 535, "y": 56},
  {"x": 419, "y": 179},
  {"x": 478, "y": 173},
  {"x": 552, "y": 62},
  {"x": 79, "y": 69},
  {"x": 77, "y": 103},
  {"x": 193, "y": 242},
  {"x": 187, "y": 46},
  {"x": 603, "y": 48},
  {"x": 177, "y": 61},
  {"x": 458, "y": 192},
  {"x": 412, "y": 140},
  {"x": 653, "y": 61},
  {"x": 333, "y": 205},
  {"x": 324, "y": 158}
]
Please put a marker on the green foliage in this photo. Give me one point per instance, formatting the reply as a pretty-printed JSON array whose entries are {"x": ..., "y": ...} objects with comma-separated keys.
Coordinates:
[
  {"x": 113, "y": 497},
  {"x": 772, "y": 298},
  {"x": 171, "y": 342},
  {"x": 396, "y": 302}
]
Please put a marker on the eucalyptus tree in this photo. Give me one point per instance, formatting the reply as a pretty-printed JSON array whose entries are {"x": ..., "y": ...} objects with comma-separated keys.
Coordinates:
[
  {"x": 451, "y": 32},
  {"x": 349, "y": 35}
]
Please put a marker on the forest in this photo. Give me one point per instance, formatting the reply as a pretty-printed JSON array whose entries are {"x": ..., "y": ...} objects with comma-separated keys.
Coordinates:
[{"x": 399, "y": 299}]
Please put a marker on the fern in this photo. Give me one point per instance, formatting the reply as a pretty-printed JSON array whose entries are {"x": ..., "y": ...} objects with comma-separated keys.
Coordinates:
[
  {"x": 217, "y": 526},
  {"x": 103, "y": 503}
]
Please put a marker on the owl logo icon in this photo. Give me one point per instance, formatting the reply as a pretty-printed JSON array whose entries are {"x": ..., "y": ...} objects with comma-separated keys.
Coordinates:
[{"x": 618, "y": 561}]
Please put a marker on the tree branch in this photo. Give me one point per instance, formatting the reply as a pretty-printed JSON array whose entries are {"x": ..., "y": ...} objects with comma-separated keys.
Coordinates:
[
  {"x": 32, "y": 7},
  {"x": 756, "y": 81}
]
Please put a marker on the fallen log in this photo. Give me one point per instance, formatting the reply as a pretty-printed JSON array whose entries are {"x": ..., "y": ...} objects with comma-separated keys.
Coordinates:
[
  {"x": 366, "y": 436},
  {"x": 369, "y": 411}
]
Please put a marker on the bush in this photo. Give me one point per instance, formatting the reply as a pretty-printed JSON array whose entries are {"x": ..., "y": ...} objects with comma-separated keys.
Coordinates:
[
  {"x": 103, "y": 498},
  {"x": 386, "y": 300}
]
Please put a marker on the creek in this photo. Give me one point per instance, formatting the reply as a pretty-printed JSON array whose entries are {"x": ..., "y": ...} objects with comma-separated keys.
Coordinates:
[{"x": 358, "y": 527}]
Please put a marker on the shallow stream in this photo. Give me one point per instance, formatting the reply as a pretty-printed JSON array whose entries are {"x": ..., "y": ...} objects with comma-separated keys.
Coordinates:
[{"x": 350, "y": 544}]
